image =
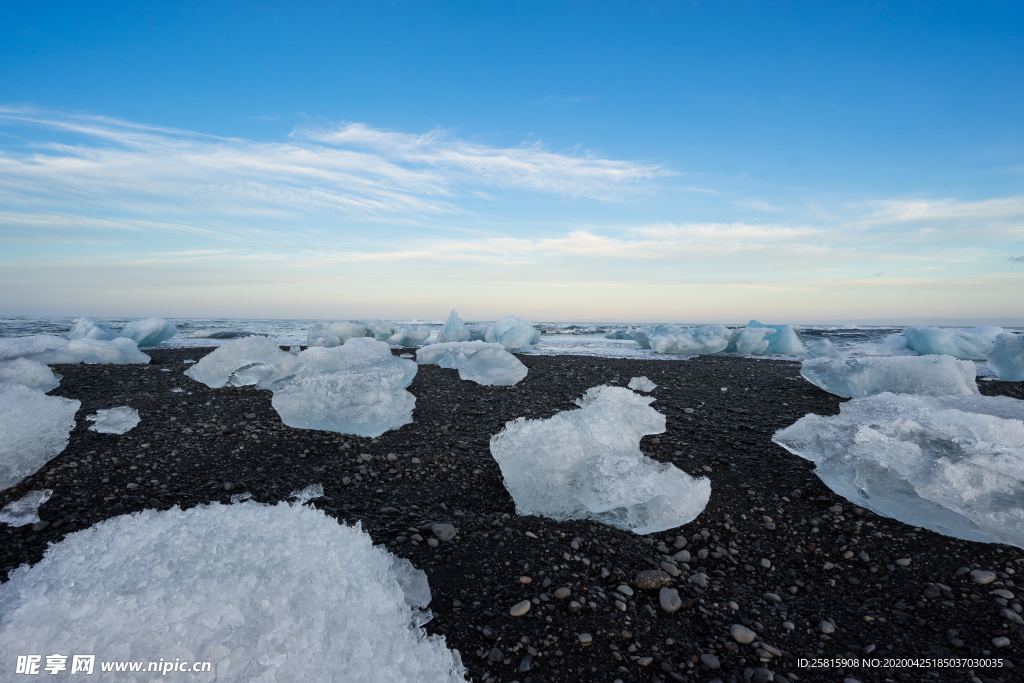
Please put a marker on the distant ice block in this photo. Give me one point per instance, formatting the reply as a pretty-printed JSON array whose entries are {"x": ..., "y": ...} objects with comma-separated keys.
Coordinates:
[
  {"x": 783, "y": 340},
  {"x": 335, "y": 334},
  {"x": 357, "y": 388},
  {"x": 869, "y": 375},
  {"x": 642, "y": 384},
  {"x": 119, "y": 420},
  {"x": 751, "y": 341},
  {"x": 954, "y": 465},
  {"x": 1007, "y": 357},
  {"x": 619, "y": 334},
  {"x": 688, "y": 341},
  {"x": 34, "y": 428},
  {"x": 266, "y": 593},
  {"x": 86, "y": 328},
  {"x": 478, "y": 331},
  {"x": 587, "y": 464},
  {"x": 821, "y": 348},
  {"x": 975, "y": 343},
  {"x": 17, "y": 347},
  {"x": 29, "y": 373},
  {"x": 515, "y": 334},
  {"x": 454, "y": 330},
  {"x": 120, "y": 351},
  {"x": 25, "y": 510},
  {"x": 149, "y": 332},
  {"x": 477, "y": 361},
  {"x": 250, "y": 361},
  {"x": 410, "y": 335}
]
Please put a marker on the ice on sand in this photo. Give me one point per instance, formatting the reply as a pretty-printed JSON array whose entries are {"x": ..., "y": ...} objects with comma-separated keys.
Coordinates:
[
  {"x": 86, "y": 328},
  {"x": 119, "y": 351},
  {"x": 477, "y": 361},
  {"x": 974, "y": 343},
  {"x": 783, "y": 340},
  {"x": 244, "y": 362},
  {"x": 587, "y": 464},
  {"x": 454, "y": 330},
  {"x": 307, "y": 493},
  {"x": 1007, "y": 357},
  {"x": 357, "y": 388},
  {"x": 119, "y": 420},
  {"x": 513, "y": 333},
  {"x": 29, "y": 373},
  {"x": 335, "y": 334},
  {"x": 954, "y": 465},
  {"x": 266, "y": 593},
  {"x": 34, "y": 428},
  {"x": 31, "y": 345},
  {"x": 868, "y": 375},
  {"x": 149, "y": 331},
  {"x": 687, "y": 341},
  {"x": 642, "y": 384},
  {"x": 25, "y": 510}
]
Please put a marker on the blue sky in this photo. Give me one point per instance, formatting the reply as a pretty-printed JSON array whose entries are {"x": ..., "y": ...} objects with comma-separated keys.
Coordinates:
[{"x": 804, "y": 162}]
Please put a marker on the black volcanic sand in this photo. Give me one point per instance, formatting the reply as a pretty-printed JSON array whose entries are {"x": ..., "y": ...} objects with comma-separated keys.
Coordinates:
[{"x": 775, "y": 550}]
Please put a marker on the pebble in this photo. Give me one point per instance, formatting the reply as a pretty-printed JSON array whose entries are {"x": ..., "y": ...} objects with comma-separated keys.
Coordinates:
[
  {"x": 585, "y": 638},
  {"x": 827, "y": 627},
  {"x": 651, "y": 579},
  {"x": 669, "y": 600},
  {"x": 710, "y": 661},
  {"x": 562, "y": 593},
  {"x": 982, "y": 577},
  {"x": 903, "y": 561},
  {"x": 741, "y": 634},
  {"x": 444, "y": 532},
  {"x": 1001, "y": 641},
  {"x": 520, "y": 608}
]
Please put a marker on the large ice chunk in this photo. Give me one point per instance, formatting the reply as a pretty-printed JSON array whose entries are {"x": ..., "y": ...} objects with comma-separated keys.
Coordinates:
[
  {"x": 25, "y": 510},
  {"x": 587, "y": 464},
  {"x": 687, "y": 341},
  {"x": 149, "y": 331},
  {"x": 34, "y": 428},
  {"x": 398, "y": 334},
  {"x": 970, "y": 344},
  {"x": 454, "y": 330},
  {"x": 31, "y": 345},
  {"x": 481, "y": 362},
  {"x": 119, "y": 420},
  {"x": 29, "y": 373},
  {"x": 868, "y": 375},
  {"x": 783, "y": 340},
  {"x": 245, "y": 362},
  {"x": 86, "y": 328},
  {"x": 513, "y": 333},
  {"x": 357, "y": 388},
  {"x": 266, "y": 593},
  {"x": 120, "y": 351},
  {"x": 478, "y": 331},
  {"x": 1007, "y": 357},
  {"x": 954, "y": 465},
  {"x": 335, "y": 334}
]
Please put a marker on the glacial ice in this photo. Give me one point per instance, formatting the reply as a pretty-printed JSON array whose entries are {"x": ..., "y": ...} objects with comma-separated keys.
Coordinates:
[
  {"x": 119, "y": 351},
  {"x": 869, "y": 375},
  {"x": 357, "y": 388},
  {"x": 119, "y": 420},
  {"x": 587, "y": 464},
  {"x": 954, "y": 465},
  {"x": 149, "y": 332},
  {"x": 643, "y": 384},
  {"x": 454, "y": 330},
  {"x": 782, "y": 341},
  {"x": 477, "y": 361},
  {"x": 689, "y": 341},
  {"x": 34, "y": 428},
  {"x": 28, "y": 373},
  {"x": 307, "y": 493},
  {"x": 25, "y": 510},
  {"x": 335, "y": 334},
  {"x": 86, "y": 328},
  {"x": 410, "y": 335},
  {"x": 1007, "y": 357},
  {"x": 619, "y": 334},
  {"x": 17, "y": 347},
  {"x": 969, "y": 344},
  {"x": 274, "y": 594},
  {"x": 515, "y": 334},
  {"x": 245, "y": 362},
  {"x": 478, "y": 331}
]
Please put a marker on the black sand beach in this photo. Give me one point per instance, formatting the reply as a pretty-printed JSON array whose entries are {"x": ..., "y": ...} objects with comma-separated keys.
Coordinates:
[{"x": 811, "y": 575}]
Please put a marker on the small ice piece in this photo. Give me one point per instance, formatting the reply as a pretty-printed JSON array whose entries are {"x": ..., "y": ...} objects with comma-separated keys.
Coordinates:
[
  {"x": 25, "y": 510},
  {"x": 266, "y": 593},
  {"x": 29, "y": 373},
  {"x": 952, "y": 464},
  {"x": 642, "y": 383},
  {"x": 86, "y": 328},
  {"x": 974, "y": 343},
  {"x": 307, "y": 493},
  {"x": 415, "y": 589},
  {"x": 245, "y": 362},
  {"x": 687, "y": 341},
  {"x": 240, "y": 497},
  {"x": 120, "y": 351},
  {"x": 869, "y": 375},
  {"x": 334, "y": 334},
  {"x": 119, "y": 420},
  {"x": 149, "y": 332},
  {"x": 34, "y": 428},
  {"x": 481, "y": 362},
  {"x": 357, "y": 388},
  {"x": 515, "y": 334},
  {"x": 454, "y": 330},
  {"x": 587, "y": 464},
  {"x": 17, "y": 347},
  {"x": 1007, "y": 357}
]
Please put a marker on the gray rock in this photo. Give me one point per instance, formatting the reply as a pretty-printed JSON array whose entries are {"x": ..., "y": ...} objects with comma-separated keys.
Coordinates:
[
  {"x": 520, "y": 608},
  {"x": 982, "y": 577},
  {"x": 1001, "y": 641},
  {"x": 741, "y": 634},
  {"x": 443, "y": 531},
  {"x": 651, "y": 579},
  {"x": 710, "y": 661},
  {"x": 562, "y": 593},
  {"x": 669, "y": 600}
]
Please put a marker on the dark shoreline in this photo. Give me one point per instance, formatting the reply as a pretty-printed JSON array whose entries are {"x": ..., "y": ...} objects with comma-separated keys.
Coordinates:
[{"x": 766, "y": 505}]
